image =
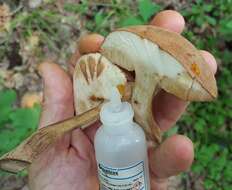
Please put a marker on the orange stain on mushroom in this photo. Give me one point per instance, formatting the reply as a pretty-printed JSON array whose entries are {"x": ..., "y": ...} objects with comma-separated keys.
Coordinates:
[
  {"x": 195, "y": 69},
  {"x": 121, "y": 89}
]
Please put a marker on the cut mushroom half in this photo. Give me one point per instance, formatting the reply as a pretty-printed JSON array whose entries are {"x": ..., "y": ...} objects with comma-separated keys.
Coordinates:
[
  {"x": 160, "y": 59},
  {"x": 93, "y": 79}
]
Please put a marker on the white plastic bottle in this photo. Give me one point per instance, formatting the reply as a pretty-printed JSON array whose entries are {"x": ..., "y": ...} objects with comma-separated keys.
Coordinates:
[{"x": 121, "y": 150}]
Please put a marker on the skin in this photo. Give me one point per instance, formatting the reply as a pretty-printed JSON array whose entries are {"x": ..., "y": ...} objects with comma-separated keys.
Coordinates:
[{"x": 70, "y": 163}]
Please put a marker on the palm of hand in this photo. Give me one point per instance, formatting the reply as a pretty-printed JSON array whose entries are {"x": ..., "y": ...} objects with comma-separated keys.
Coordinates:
[
  {"x": 70, "y": 164},
  {"x": 65, "y": 167}
]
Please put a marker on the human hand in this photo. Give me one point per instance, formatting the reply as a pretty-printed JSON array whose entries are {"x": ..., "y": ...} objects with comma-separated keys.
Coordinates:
[{"x": 70, "y": 163}]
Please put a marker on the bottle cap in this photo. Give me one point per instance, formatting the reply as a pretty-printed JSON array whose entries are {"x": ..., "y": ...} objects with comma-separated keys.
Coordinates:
[{"x": 115, "y": 112}]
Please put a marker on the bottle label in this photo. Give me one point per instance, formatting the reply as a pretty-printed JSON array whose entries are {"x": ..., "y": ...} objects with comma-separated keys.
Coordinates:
[{"x": 129, "y": 178}]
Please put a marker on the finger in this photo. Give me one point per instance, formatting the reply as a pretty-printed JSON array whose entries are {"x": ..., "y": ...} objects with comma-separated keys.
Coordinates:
[
  {"x": 81, "y": 143},
  {"x": 209, "y": 58},
  {"x": 158, "y": 184},
  {"x": 167, "y": 109},
  {"x": 170, "y": 20},
  {"x": 58, "y": 96},
  {"x": 90, "y": 43},
  {"x": 173, "y": 156},
  {"x": 91, "y": 131}
]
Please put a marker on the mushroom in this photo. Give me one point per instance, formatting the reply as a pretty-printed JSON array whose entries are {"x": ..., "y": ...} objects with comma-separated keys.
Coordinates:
[
  {"x": 139, "y": 61},
  {"x": 160, "y": 59}
]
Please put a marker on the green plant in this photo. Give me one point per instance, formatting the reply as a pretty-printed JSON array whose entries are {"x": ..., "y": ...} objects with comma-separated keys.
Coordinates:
[
  {"x": 52, "y": 28},
  {"x": 103, "y": 17},
  {"x": 217, "y": 176},
  {"x": 209, "y": 124},
  {"x": 44, "y": 22},
  {"x": 15, "y": 123},
  {"x": 199, "y": 13},
  {"x": 98, "y": 17},
  {"x": 146, "y": 8}
]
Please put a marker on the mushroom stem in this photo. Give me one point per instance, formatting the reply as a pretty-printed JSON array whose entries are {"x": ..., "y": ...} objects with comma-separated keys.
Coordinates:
[
  {"x": 23, "y": 155},
  {"x": 155, "y": 128},
  {"x": 142, "y": 100}
]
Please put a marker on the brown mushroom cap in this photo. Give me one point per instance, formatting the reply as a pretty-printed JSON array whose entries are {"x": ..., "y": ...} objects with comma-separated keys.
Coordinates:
[{"x": 178, "y": 47}]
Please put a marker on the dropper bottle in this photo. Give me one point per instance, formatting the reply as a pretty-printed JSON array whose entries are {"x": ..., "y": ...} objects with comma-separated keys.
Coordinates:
[{"x": 120, "y": 147}]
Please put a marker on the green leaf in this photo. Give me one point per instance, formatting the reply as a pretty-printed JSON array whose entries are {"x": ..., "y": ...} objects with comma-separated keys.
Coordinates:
[
  {"x": 25, "y": 118},
  {"x": 200, "y": 125},
  {"x": 132, "y": 21},
  {"x": 23, "y": 122},
  {"x": 227, "y": 172},
  {"x": 99, "y": 18},
  {"x": 206, "y": 153},
  {"x": 172, "y": 131},
  {"x": 208, "y": 184},
  {"x": 226, "y": 29},
  {"x": 7, "y": 98},
  {"x": 76, "y": 8},
  {"x": 147, "y": 9},
  {"x": 229, "y": 24},
  {"x": 9, "y": 140},
  {"x": 197, "y": 168},
  {"x": 211, "y": 20},
  {"x": 208, "y": 8},
  {"x": 195, "y": 10},
  {"x": 227, "y": 186},
  {"x": 199, "y": 21}
]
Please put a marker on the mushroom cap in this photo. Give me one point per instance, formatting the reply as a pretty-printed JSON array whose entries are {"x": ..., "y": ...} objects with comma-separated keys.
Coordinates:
[{"x": 177, "y": 55}]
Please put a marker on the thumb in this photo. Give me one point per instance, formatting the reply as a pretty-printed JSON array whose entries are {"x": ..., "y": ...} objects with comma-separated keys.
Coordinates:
[{"x": 58, "y": 95}]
